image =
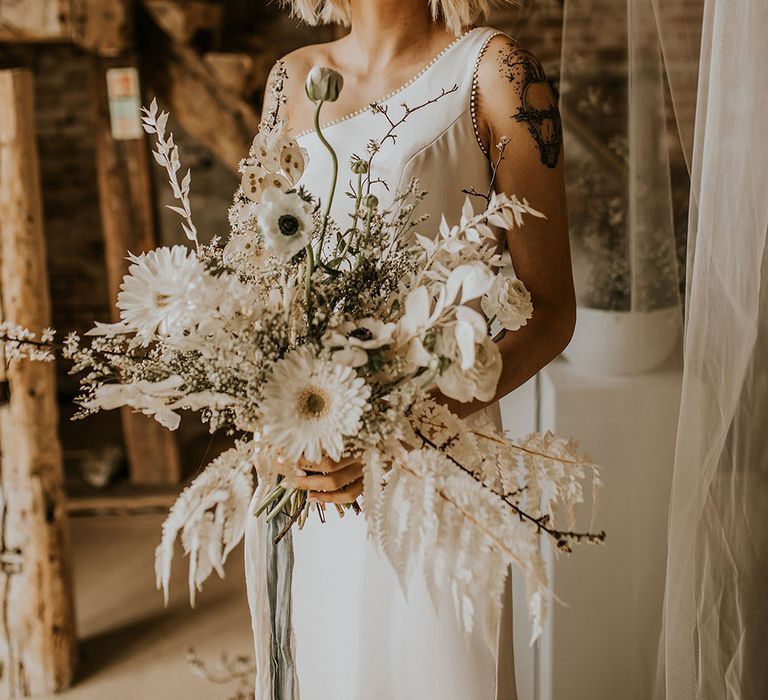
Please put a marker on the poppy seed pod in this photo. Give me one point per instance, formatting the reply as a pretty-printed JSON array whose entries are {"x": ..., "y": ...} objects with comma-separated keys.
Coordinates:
[{"x": 324, "y": 84}]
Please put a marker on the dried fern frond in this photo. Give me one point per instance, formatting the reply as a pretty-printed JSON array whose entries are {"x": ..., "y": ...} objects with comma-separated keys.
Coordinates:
[
  {"x": 466, "y": 504},
  {"x": 209, "y": 516}
]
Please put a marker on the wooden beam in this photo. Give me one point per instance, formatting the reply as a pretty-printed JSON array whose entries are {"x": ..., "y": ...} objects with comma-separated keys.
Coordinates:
[
  {"x": 122, "y": 503},
  {"x": 102, "y": 26},
  {"x": 128, "y": 223},
  {"x": 183, "y": 19},
  {"x": 219, "y": 119},
  {"x": 240, "y": 73},
  {"x": 34, "y": 20},
  {"x": 37, "y": 629}
]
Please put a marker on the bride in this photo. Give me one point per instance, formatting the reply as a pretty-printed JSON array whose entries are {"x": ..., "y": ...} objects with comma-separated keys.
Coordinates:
[{"x": 358, "y": 635}]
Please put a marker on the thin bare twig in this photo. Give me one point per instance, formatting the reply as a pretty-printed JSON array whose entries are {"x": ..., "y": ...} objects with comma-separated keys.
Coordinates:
[
  {"x": 393, "y": 125},
  {"x": 560, "y": 536}
]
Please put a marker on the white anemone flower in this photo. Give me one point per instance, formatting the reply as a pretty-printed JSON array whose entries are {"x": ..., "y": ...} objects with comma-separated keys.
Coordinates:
[
  {"x": 352, "y": 339},
  {"x": 509, "y": 301},
  {"x": 310, "y": 405},
  {"x": 285, "y": 220},
  {"x": 157, "y": 296}
]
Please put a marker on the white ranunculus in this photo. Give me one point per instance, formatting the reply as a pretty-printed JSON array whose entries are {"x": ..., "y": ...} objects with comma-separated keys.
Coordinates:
[
  {"x": 285, "y": 220},
  {"x": 509, "y": 301},
  {"x": 324, "y": 84},
  {"x": 473, "y": 360}
]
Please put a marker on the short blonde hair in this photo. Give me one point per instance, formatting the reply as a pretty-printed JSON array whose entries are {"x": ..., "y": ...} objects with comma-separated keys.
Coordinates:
[{"x": 456, "y": 14}]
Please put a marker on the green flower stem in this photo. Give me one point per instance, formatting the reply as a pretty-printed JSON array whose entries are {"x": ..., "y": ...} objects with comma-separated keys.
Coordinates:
[
  {"x": 280, "y": 504},
  {"x": 308, "y": 282},
  {"x": 368, "y": 227},
  {"x": 350, "y": 234},
  {"x": 270, "y": 498},
  {"x": 366, "y": 237},
  {"x": 335, "y": 161}
]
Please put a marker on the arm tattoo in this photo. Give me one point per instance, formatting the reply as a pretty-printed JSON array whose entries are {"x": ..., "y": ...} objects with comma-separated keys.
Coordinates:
[{"x": 538, "y": 107}]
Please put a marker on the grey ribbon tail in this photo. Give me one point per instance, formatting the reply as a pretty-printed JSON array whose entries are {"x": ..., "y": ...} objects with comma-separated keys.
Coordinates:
[{"x": 279, "y": 561}]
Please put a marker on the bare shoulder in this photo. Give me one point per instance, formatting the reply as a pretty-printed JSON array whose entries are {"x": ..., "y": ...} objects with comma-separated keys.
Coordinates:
[
  {"x": 291, "y": 71},
  {"x": 516, "y": 100},
  {"x": 298, "y": 62}
]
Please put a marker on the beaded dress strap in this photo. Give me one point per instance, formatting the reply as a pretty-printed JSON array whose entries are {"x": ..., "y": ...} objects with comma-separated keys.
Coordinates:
[{"x": 473, "y": 95}]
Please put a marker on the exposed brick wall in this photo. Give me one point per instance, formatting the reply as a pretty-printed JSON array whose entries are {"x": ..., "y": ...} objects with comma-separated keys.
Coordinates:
[{"x": 70, "y": 199}]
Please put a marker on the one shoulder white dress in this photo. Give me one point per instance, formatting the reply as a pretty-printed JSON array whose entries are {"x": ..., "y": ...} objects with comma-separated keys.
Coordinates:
[{"x": 358, "y": 637}]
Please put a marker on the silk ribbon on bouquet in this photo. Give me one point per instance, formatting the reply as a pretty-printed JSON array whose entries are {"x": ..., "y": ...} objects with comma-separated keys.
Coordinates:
[{"x": 268, "y": 572}]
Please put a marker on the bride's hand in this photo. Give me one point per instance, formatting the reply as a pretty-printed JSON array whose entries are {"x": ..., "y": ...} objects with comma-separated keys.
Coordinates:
[
  {"x": 331, "y": 482},
  {"x": 279, "y": 465}
]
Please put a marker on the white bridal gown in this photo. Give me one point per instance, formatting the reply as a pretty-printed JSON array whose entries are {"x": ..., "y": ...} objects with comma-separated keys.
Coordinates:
[{"x": 357, "y": 637}]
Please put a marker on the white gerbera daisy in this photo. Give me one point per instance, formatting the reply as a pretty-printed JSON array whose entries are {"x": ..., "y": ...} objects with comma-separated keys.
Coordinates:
[
  {"x": 156, "y": 294},
  {"x": 310, "y": 405},
  {"x": 285, "y": 220}
]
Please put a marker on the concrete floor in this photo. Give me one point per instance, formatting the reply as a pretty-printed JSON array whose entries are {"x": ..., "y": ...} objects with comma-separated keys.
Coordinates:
[{"x": 132, "y": 648}]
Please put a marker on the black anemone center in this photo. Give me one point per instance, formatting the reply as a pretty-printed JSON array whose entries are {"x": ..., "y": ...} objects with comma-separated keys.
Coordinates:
[
  {"x": 288, "y": 225},
  {"x": 361, "y": 334}
]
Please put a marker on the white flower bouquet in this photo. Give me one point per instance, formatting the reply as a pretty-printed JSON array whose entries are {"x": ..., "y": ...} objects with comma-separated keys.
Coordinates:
[{"x": 306, "y": 337}]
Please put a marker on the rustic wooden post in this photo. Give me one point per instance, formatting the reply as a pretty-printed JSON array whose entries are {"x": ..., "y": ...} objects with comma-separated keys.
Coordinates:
[
  {"x": 190, "y": 88},
  {"x": 128, "y": 222},
  {"x": 37, "y": 631},
  {"x": 103, "y": 26}
]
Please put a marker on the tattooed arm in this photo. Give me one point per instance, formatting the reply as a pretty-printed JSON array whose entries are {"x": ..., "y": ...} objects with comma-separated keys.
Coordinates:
[{"x": 515, "y": 101}]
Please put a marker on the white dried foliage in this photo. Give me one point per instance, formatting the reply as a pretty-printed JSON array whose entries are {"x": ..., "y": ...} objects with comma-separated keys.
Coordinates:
[
  {"x": 167, "y": 156},
  {"x": 457, "y": 509},
  {"x": 209, "y": 518},
  {"x": 20, "y": 343}
]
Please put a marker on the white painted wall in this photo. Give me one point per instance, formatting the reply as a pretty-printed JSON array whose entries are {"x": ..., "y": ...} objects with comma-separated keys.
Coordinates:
[{"x": 602, "y": 645}]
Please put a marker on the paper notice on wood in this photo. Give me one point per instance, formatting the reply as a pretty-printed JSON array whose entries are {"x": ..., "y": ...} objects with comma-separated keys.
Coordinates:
[{"x": 124, "y": 103}]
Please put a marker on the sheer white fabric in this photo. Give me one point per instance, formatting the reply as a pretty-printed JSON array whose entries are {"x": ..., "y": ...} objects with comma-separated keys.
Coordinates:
[
  {"x": 716, "y": 612},
  {"x": 715, "y": 632}
]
